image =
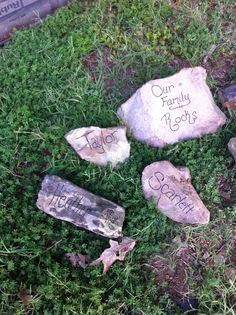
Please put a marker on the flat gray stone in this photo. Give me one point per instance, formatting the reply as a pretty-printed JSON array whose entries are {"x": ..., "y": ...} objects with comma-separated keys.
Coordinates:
[
  {"x": 170, "y": 188},
  {"x": 66, "y": 201},
  {"x": 22, "y": 13},
  {"x": 100, "y": 145},
  {"x": 232, "y": 147},
  {"x": 169, "y": 110}
]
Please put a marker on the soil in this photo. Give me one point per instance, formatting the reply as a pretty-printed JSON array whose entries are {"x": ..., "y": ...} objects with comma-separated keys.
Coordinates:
[
  {"x": 105, "y": 58},
  {"x": 224, "y": 187},
  {"x": 92, "y": 63},
  {"x": 188, "y": 263},
  {"x": 221, "y": 68}
]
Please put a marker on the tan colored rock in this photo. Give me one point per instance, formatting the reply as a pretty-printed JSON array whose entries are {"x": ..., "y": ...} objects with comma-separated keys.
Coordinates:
[
  {"x": 169, "y": 110},
  {"x": 173, "y": 194},
  {"x": 232, "y": 147},
  {"x": 66, "y": 201},
  {"x": 100, "y": 145}
]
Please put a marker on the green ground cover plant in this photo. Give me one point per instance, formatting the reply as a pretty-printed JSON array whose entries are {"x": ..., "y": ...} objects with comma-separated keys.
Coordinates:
[{"x": 75, "y": 70}]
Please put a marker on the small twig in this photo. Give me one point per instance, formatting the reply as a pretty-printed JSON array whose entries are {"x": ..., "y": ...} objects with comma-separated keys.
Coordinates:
[{"x": 210, "y": 52}]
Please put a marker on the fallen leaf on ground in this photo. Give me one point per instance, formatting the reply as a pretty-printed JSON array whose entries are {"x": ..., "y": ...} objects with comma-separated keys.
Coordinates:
[
  {"x": 79, "y": 259},
  {"x": 25, "y": 296},
  {"x": 115, "y": 252}
]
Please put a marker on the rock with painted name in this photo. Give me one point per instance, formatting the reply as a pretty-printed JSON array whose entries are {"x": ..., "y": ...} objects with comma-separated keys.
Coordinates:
[
  {"x": 100, "y": 145},
  {"x": 170, "y": 188},
  {"x": 169, "y": 110},
  {"x": 232, "y": 147},
  {"x": 66, "y": 201}
]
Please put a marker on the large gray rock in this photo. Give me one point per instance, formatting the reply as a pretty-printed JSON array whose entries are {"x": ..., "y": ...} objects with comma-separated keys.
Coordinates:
[
  {"x": 21, "y": 13},
  {"x": 100, "y": 145},
  {"x": 65, "y": 201},
  {"x": 173, "y": 194},
  {"x": 166, "y": 111},
  {"x": 232, "y": 147}
]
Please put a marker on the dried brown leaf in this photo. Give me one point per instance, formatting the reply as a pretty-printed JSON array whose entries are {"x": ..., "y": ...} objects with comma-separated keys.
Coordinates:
[
  {"x": 25, "y": 296},
  {"x": 115, "y": 252},
  {"x": 79, "y": 259}
]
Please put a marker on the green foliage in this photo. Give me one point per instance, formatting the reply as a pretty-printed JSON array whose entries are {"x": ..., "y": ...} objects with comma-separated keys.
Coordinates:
[{"x": 46, "y": 90}]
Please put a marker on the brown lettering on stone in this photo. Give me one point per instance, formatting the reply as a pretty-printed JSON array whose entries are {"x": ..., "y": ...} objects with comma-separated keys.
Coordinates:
[
  {"x": 172, "y": 103},
  {"x": 155, "y": 182},
  {"x": 68, "y": 202},
  {"x": 61, "y": 202},
  {"x": 174, "y": 123},
  {"x": 73, "y": 205},
  {"x": 109, "y": 215},
  {"x": 179, "y": 101},
  {"x": 98, "y": 143}
]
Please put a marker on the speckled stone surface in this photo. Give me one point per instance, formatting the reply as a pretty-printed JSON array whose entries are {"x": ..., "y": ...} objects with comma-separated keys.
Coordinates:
[{"x": 66, "y": 201}]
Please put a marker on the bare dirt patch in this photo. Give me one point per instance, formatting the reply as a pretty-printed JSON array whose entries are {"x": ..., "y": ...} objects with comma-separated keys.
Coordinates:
[
  {"x": 185, "y": 263},
  {"x": 100, "y": 61},
  {"x": 103, "y": 62},
  {"x": 221, "y": 69}
]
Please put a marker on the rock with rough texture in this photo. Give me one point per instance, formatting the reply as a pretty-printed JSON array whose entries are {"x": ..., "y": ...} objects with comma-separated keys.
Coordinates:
[
  {"x": 232, "y": 147},
  {"x": 166, "y": 111},
  {"x": 228, "y": 96},
  {"x": 171, "y": 189},
  {"x": 22, "y": 13},
  {"x": 65, "y": 201},
  {"x": 100, "y": 145}
]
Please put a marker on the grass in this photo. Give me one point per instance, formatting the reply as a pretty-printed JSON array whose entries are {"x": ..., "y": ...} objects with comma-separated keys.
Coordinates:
[{"x": 47, "y": 89}]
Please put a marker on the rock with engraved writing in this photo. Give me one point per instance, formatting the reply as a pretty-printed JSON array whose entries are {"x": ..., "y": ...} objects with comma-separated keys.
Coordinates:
[
  {"x": 100, "y": 145},
  {"x": 171, "y": 189},
  {"x": 166, "y": 111},
  {"x": 66, "y": 201},
  {"x": 21, "y": 13},
  {"x": 232, "y": 147},
  {"x": 228, "y": 96}
]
